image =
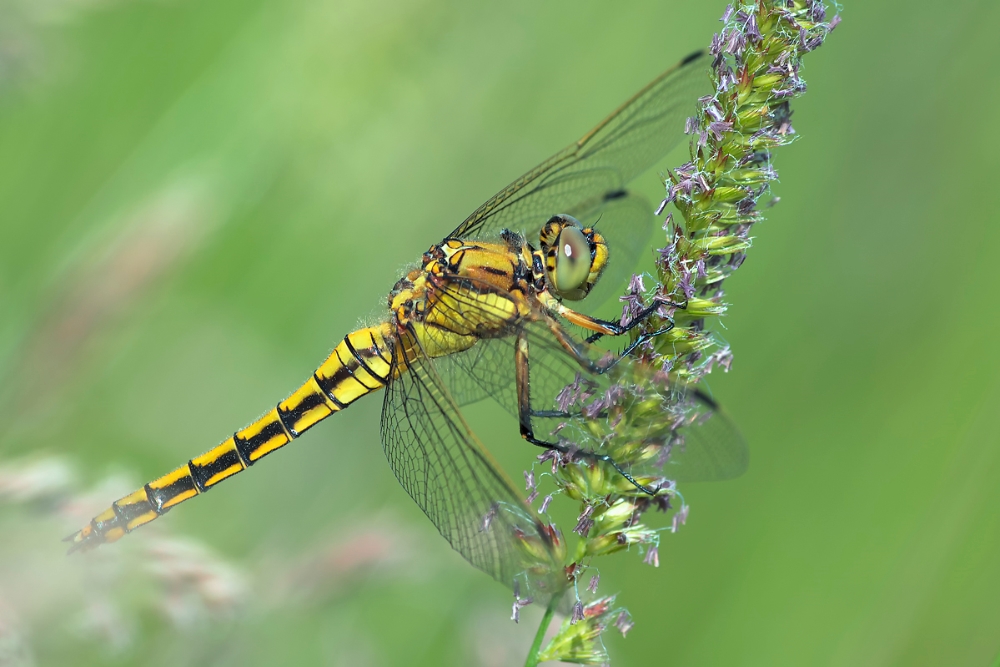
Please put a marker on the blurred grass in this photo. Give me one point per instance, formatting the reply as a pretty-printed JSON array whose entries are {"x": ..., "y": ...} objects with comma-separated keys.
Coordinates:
[{"x": 301, "y": 152}]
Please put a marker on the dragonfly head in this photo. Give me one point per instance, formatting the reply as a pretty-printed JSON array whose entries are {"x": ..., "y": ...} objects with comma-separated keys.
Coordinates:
[{"x": 573, "y": 255}]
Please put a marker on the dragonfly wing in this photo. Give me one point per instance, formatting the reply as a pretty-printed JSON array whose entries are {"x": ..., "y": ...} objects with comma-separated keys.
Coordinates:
[
  {"x": 457, "y": 483},
  {"x": 487, "y": 368},
  {"x": 483, "y": 371},
  {"x": 629, "y": 141},
  {"x": 710, "y": 449}
]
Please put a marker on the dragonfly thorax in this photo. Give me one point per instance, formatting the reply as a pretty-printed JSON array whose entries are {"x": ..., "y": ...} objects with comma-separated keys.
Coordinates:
[
  {"x": 458, "y": 264},
  {"x": 505, "y": 264}
]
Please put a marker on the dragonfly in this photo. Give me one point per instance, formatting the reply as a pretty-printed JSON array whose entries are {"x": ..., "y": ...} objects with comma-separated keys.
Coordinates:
[{"x": 484, "y": 314}]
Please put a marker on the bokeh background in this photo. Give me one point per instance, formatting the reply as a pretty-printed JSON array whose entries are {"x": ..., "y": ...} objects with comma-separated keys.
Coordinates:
[{"x": 199, "y": 198}]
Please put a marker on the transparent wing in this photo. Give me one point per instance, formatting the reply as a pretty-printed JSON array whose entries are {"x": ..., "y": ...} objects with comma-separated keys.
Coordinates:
[
  {"x": 446, "y": 469},
  {"x": 483, "y": 371},
  {"x": 707, "y": 448},
  {"x": 487, "y": 368},
  {"x": 695, "y": 440},
  {"x": 596, "y": 167},
  {"x": 456, "y": 482},
  {"x": 710, "y": 449}
]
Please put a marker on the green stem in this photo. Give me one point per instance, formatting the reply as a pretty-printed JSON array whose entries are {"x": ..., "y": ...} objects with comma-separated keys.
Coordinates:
[{"x": 536, "y": 646}]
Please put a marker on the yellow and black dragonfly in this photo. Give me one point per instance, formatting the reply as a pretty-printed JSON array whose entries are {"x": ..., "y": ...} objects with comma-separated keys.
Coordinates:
[{"x": 484, "y": 315}]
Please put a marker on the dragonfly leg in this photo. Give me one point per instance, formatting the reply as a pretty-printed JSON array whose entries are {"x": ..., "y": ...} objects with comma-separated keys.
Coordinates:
[
  {"x": 523, "y": 380},
  {"x": 578, "y": 351},
  {"x": 617, "y": 329},
  {"x": 603, "y": 328},
  {"x": 525, "y": 413}
]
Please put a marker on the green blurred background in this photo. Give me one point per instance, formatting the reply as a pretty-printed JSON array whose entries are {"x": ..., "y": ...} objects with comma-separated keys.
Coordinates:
[{"x": 198, "y": 199}]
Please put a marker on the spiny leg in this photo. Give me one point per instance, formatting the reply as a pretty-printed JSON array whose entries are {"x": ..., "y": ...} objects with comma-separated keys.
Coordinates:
[
  {"x": 618, "y": 329},
  {"x": 524, "y": 411},
  {"x": 523, "y": 381},
  {"x": 603, "y": 328},
  {"x": 578, "y": 351}
]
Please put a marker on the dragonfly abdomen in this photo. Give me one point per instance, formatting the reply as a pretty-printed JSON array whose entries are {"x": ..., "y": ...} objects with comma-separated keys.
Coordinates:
[{"x": 359, "y": 365}]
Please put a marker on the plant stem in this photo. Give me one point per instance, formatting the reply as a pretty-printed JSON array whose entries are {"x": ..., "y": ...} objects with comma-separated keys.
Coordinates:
[{"x": 536, "y": 646}]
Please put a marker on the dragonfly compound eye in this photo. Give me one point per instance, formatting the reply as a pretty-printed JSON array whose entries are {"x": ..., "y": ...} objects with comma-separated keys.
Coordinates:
[{"x": 573, "y": 260}]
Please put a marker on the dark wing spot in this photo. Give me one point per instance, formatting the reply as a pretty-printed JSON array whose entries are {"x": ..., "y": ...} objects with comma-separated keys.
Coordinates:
[{"x": 693, "y": 56}]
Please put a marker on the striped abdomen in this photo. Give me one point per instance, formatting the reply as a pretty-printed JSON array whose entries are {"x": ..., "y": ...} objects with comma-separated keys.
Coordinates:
[{"x": 359, "y": 365}]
